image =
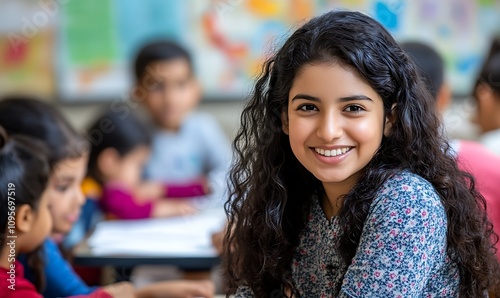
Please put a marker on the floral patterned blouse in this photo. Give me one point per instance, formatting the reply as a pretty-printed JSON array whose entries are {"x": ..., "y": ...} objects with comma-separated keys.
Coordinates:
[{"x": 401, "y": 253}]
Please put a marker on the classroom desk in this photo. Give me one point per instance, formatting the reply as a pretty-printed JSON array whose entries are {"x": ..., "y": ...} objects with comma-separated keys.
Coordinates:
[
  {"x": 83, "y": 256},
  {"x": 181, "y": 242}
]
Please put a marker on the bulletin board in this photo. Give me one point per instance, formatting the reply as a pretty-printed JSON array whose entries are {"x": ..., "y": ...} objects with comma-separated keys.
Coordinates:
[{"x": 96, "y": 40}]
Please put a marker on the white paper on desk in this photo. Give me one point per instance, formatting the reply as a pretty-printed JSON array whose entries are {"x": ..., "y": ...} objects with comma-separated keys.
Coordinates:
[{"x": 188, "y": 236}]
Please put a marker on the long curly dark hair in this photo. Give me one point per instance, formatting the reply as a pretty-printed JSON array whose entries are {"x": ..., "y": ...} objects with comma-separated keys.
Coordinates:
[{"x": 269, "y": 188}]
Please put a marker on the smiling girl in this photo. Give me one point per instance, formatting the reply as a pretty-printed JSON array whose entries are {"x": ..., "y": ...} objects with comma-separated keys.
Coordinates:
[{"x": 343, "y": 184}]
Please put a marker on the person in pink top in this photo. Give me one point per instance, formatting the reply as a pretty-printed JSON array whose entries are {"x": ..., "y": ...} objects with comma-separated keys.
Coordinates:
[
  {"x": 116, "y": 162},
  {"x": 471, "y": 156}
]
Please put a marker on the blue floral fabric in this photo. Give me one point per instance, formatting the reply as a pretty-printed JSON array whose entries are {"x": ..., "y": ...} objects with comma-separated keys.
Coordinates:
[{"x": 402, "y": 250}]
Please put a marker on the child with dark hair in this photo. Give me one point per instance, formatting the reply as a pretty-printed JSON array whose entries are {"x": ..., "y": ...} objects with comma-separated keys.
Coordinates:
[
  {"x": 471, "y": 156},
  {"x": 344, "y": 185},
  {"x": 431, "y": 66},
  {"x": 116, "y": 161},
  {"x": 487, "y": 95},
  {"x": 25, "y": 217},
  {"x": 186, "y": 145}
]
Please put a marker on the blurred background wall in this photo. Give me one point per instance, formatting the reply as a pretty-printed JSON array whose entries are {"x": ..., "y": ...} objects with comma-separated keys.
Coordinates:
[{"x": 78, "y": 53}]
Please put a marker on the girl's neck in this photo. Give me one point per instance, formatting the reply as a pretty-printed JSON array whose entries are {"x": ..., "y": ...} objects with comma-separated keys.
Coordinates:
[
  {"x": 334, "y": 192},
  {"x": 118, "y": 183},
  {"x": 172, "y": 130},
  {"x": 6, "y": 257}
]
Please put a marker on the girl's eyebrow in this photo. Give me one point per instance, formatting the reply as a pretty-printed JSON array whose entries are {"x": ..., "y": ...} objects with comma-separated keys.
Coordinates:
[
  {"x": 341, "y": 99},
  {"x": 354, "y": 97},
  {"x": 65, "y": 179},
  {"x": 306, "y": 97}
]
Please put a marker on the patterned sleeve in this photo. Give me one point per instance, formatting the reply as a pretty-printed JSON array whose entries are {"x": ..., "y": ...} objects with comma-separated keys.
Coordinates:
[
  {"x": 403, "y": 238},
  {"x": 244, "y": 292}
]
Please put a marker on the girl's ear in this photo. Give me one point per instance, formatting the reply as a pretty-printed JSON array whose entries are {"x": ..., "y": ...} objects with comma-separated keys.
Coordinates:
[
  {"x": 443, "y": 97},
  {"x": 390, "y": 119},
  {"x": 25, "y": 216},
  {"x": 284, "y": 121},
  {"x": 484, "y": 94},
  {"x": 138, "y": 94},
  {"x": 107, "y": 161}
]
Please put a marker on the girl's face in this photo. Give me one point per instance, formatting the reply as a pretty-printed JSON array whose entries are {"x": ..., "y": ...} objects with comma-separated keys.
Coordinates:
[
  {"x": 41, "y": 226},
  {"x": 486, "y": 110},
  {"x": 128, "y": 168},
  {"x": 335, "y": 122},
  {"x": 171, "y": 92},
  {"x": 66, "y": 194}
]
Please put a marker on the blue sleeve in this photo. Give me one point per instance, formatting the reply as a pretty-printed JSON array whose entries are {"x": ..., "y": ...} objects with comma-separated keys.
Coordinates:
[
  {"x": 61, "y": 280},
  {"x": 404, "y": 237},
  {"x": 218, "y": 155}
]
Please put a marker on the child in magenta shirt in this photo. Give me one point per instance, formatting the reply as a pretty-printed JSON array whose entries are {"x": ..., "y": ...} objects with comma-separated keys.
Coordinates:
[{"x": 116, "y": 162}]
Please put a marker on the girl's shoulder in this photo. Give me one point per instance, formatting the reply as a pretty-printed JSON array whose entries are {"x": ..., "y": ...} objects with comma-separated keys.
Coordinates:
[
  {"x": 406, "y": 176},
  {"x": 408, "y": 191}
]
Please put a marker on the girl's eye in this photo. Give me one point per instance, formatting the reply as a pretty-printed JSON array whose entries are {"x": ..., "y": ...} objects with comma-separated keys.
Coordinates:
[
  {"x": 182, "y": 84},
  {"x": 354, "y": 109},
  {"x": 62, "y": 188},
  {"x": 158, "y": 86},
  {"x": 307, "y": 107}
]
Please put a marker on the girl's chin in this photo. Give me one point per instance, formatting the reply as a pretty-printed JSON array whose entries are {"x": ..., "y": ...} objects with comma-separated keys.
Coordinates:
[
  {"x": 330, "y": 179},
  {"x": 63, "y": 230}
]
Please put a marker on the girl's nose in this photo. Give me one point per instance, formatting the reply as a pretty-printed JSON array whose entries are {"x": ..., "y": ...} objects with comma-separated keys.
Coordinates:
[
  {"x": 80, "y": 197},
  {"x": 330, "y": 127}
]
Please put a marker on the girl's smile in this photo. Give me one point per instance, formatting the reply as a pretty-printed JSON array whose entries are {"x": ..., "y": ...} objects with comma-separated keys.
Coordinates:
[{"x": 332, "y": 154}]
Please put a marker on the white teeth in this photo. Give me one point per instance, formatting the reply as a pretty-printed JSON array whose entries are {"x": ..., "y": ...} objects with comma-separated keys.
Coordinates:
[{"x": 333, "y": 152}]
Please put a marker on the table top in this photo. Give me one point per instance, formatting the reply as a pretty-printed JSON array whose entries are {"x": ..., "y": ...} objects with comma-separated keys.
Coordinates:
[
  {"x": 83, "y": 256},
  {"x": 184, "y": 242}
]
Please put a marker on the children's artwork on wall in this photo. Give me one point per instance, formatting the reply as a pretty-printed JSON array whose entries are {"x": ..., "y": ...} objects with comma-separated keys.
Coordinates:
[
  {"x": 97, "y": 39},
  {"x": 26, "y": 51},
  {"x": 240, "y": 34}
]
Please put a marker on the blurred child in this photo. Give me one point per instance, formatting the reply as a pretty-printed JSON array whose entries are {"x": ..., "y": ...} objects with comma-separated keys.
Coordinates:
[
  {"x": 116, "y": 162},
  {"x": 471, "y": 156},
  {"x": 186, "y": 145},
  {"x": 68, "y": 155},
  {"x": 487, "y": 95},
  {"x": 25, "y": 207}
]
